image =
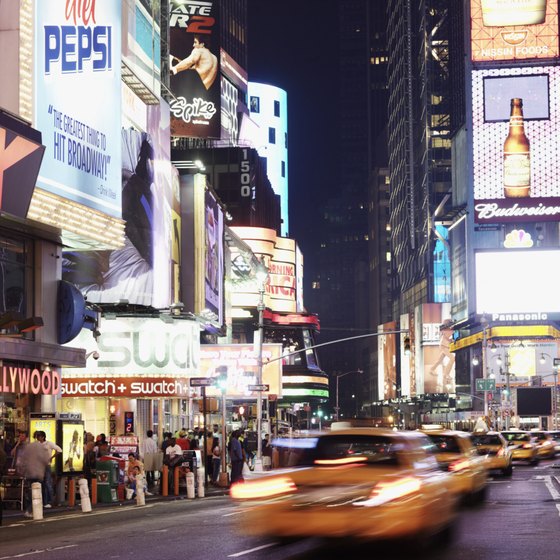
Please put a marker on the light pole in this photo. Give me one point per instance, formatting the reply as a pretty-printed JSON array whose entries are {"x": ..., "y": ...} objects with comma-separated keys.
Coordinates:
[
  {"x": 542, "y": 360},
  {"x": 508, "y": 374},
  {"x": 337, "y": 408},
  {"x": 262, "y": 275}
]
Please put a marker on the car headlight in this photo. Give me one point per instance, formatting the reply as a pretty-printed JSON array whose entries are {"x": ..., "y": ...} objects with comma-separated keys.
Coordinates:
[{"x": 264, "y": 488}]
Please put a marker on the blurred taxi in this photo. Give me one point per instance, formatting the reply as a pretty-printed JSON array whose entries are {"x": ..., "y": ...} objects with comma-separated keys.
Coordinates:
[
  {"x": 523, "y": 446},
  {"x": 455, "y": 453},
  {"x": 494, "y": 448},
  {"x": 363, "y": 483},
  {"x": 555, "y": 435},
  {"x": 546, "y": 446}
]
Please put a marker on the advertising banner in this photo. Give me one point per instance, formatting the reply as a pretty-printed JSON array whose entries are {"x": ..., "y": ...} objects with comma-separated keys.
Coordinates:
[
  {"x": 214, "y": 275},
  {"x": 71, "y": 440},
  {"x": 387, "y": 361},
  {"x": 195, "y": 68},
  {"x": 77, "y": 93},
  {"x": 408, "y": 371},
  {"x": 239, "y": 362},
  {"x": 29, "y": 380},
  {"x": 516, "y": 154},
  {"x": 436, "y": 334},
  {"x": 514, "y": 29}
]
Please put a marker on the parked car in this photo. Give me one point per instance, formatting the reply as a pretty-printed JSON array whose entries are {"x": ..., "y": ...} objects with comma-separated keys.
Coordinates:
[
  {"x": 362, "y": 483},
  {"x": 495, "y": 450}
]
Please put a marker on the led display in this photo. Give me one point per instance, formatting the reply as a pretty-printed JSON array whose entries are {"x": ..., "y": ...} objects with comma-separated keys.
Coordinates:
[
  {"x": 518, "y": 281},
  {"x": 534, "y": 169},
  {"x": 514, "y": 29}
]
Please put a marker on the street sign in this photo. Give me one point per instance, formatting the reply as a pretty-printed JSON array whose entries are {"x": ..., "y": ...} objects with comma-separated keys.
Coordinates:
[
  {"x": 202, "y": 381},
  {"x": 258, "y": 388},
  {"x": 485, "y": 385},
  {"x": 556, "y": 362}
]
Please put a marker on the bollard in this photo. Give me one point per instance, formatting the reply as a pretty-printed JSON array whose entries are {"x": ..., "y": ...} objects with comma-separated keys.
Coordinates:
[
  {"x": 37, "y": 500},
  {"x": 165, "y": 480},
  {"x": 85, "y": 502},
  {"x": 190, "y": 485},
  {"x": 176, "y": 474},
  {"x": 94, "y": 490},
  {"x": 200, "y": 476},
  {"x": 140, "y": 497},
  {"x": 71, "y": 492}
]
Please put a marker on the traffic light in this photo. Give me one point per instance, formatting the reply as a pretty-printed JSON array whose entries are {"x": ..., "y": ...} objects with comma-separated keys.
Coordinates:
[{"x": 407, "y": 346}]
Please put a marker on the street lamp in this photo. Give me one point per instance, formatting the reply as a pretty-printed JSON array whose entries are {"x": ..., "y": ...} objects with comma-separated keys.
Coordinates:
[
  {"x": 337, "y": 408},
  {"x": 542, "y": 360},
  {"x": 262, "y": 276}
]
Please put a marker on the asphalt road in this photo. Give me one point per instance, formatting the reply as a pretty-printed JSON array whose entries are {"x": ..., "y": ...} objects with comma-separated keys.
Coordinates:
[{"x": 520, "y": 520}]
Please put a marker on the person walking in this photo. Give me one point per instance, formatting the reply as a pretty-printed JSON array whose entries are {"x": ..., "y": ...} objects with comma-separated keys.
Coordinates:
[
  {"x": 36, "y": 458},
  {"x": 236, "y": 457},
  {"x": 3, "y": 467},
  {"x": 54, "y": 450},
  {"x": 149, "y": 454}
]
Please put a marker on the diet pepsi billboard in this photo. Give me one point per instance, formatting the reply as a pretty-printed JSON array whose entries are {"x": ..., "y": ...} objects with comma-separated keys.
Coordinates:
[{"x": 77, "y": 95}]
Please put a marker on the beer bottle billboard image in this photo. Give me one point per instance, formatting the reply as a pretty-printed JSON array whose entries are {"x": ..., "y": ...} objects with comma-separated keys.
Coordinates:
[{"x": 517, "y": 155}]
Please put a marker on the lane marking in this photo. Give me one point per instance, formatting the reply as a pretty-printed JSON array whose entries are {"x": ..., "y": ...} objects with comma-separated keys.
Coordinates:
[
  {"x": 21, "y": 555},
  {"x": 243, "y": 552}
]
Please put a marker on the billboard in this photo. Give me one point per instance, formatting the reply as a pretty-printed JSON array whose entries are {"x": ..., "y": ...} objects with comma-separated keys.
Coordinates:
[
  {"x": 435, "y": 333},
  {"x": 387, "y": 361},
  {"x": 214, "y": 258},
  {"x": 534, "y": 401},
  {"x": 514, "y": 30},
  {"x": 71, "y": 439},
  {"x": 520, "y": 281},
  {"x": 195, "y": 68},
  {"x": 516, "y": 154},
  {"x": 77, "y": 93}
]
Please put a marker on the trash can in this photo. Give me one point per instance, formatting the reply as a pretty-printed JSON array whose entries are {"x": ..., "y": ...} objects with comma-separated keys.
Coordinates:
[{"x": 107, "y": 481}]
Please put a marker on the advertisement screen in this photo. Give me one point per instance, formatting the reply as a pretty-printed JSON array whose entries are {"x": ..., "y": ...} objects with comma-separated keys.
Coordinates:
[
  {"x": 195, "y": 68},
  {"x": 517, "y": 281},
  {"x": 214, "y": 259},
  {"x": 514, "y": 29},
  {"x": 533, "y": 401},
  {"x": 387, "y": 361},
  {"x": 77, "y": 70},
  {"x": 72, "y": 443},
  {"x": 516, "y": 153}
]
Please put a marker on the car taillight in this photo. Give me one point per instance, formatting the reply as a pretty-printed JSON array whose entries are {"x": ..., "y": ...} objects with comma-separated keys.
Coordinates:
[
  {"x": 341, "y": 461},
  {"x": 458, "y": 465},
  {"x": 265, "y": 488},
  {"x": 501, "y": 452},
  {"x": 390, "y": 490},
  {"x": 527, "y": 445}
]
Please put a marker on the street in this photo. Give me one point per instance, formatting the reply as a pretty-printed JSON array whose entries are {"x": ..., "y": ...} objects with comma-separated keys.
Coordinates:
[{"x": 519, "y": 520}]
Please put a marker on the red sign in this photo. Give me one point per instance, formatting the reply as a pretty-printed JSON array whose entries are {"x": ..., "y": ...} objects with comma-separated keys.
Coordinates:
[{"x": 132, "y": 387}]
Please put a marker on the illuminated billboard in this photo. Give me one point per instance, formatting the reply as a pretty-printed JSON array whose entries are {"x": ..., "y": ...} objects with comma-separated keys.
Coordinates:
[
  {"x": 195, "y": 68},
  {"x": 434, "y": 359},
  {"x": 71, "y": 438},
  {"x": 516, "y": 154},
  {"x": 214, "y": 258},
  {"x": 387, "y": 361},
  {"x": 77, "y": 70},
  {"x": 514, "y": 30},
  {"x": 518, "y": 281}
]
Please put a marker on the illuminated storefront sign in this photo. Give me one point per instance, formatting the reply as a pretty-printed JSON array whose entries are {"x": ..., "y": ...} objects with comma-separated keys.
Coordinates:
[
  {"x": 514, "y": 29},
  {"x": 77, "y": 64},
  {"x": 195, "y": 68},
  {"x": 141, "y": 346},
  {"x": 127, "y": 387},
  {"x": 29, "y": 381},
  {"x": 493, "y": 92}
]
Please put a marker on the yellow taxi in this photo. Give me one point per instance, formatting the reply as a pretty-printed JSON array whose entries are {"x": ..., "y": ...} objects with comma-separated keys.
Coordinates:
[
  {"x": 523, "y": 446},
  {"x": 456, "y": 454},
  {"x": 546, "y": 446},
  {"x": 494, "y": 448},
  {"x": 359, "y": 483}
]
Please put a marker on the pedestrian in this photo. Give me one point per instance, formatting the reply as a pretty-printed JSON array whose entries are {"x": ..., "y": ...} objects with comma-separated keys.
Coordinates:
[
  {"x": 54, "y": 450},
  {"x": 149, "y": 454},
  {"x": 35, "y": 459},
  {"x": 209, "y": 448},
  {"x": 89, "y": 463},
  {"x": 18, "y": 450},
  {"x": 167, "y": 438},
  {"x": 3, "y": 467},
  {"x": 236, "y": 458},
  {"x": 101, "y": 446},
  {"x": 216, "y": 461}
]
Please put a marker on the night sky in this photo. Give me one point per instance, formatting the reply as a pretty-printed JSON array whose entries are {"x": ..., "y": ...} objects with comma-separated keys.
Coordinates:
[{"x": 292, "y": 45}]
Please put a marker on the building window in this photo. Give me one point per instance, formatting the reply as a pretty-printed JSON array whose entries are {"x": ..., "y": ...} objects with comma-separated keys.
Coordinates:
[
  {"x": 255, "y": 104},
  {"x": 283, "y": 169},
  {"x": 277, "y": 108},
  {"x": 271, "y": 135}
]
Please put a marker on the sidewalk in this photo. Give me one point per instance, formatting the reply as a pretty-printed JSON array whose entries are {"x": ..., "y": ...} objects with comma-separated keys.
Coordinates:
[{"x": 12, "y": 515}]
